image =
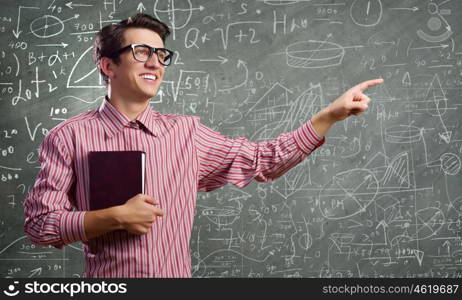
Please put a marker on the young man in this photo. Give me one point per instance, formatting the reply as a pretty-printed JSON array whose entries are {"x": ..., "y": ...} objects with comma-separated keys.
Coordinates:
[{"x": 149, "y": 235}]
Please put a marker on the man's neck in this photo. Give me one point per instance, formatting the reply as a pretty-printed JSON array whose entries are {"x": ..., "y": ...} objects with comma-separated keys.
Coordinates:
[{"x": 129, "y": 107}]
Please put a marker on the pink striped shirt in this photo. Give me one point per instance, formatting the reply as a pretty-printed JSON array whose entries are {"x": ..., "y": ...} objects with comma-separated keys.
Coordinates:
[{"x": 182, "y": 157}]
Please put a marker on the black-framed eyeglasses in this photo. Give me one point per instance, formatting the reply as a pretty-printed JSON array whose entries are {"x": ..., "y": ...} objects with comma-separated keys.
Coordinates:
[{"x": 143, "y": 52}]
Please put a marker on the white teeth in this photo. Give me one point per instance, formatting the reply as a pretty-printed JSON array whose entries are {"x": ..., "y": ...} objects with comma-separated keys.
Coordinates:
[{"x": 149, "y": 76}]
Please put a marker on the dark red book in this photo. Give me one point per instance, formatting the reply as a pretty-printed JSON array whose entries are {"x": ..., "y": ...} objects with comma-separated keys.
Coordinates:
[{"x": 115, "y": 177}]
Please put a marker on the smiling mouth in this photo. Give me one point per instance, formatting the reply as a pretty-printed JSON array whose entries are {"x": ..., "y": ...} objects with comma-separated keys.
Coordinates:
[{"x": 149, "y": 77}]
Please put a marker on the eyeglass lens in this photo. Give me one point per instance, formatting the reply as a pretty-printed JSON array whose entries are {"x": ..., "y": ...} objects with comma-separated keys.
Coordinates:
[{"x": 142, "y": 53}]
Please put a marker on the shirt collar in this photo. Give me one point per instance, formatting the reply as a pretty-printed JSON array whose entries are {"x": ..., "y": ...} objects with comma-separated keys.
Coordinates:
[{"x": 114, "y": 121}]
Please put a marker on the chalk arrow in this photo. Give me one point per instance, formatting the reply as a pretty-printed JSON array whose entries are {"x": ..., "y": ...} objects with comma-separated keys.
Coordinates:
[
  {"x": 64, "y": 45},
  {"x": 140, "y": 7},
  {"x": 413, "y": 9},
  {"x": 220, "y": 59},
  {"x": 71, "y": 6},
  {"x": 17, "y": 32}
]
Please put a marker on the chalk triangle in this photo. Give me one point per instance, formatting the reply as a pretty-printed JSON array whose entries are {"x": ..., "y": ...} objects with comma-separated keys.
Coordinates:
[
  {"x": 446, "y": 136},
  {"x": 406, "y": 79},
  {"x": 419, "y": 255}
]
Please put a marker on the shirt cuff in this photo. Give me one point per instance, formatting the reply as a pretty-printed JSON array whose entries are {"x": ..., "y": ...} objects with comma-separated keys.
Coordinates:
[
  {"x": 307, "y": 138},
  {"x": 72, "y": 227}
]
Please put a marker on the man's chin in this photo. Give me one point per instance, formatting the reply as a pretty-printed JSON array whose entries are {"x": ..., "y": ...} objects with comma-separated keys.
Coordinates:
[
  {"x": 148, "y": 93},
  {"x": 151, "y": 95}
]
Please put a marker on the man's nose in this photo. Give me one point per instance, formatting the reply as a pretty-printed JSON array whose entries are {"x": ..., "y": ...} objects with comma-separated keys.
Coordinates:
[{"x": 153, "y": 61}]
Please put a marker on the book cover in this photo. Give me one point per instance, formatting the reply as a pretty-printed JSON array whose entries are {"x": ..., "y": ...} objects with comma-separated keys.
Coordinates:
[{"x": 115, "y": 177}]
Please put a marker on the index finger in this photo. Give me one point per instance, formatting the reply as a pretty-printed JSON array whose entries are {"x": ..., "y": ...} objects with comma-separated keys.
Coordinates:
[
  {"x": 368, "y": 83},
  {"x": 159, "y": 212},
  {"x": 150, "y": 199}
]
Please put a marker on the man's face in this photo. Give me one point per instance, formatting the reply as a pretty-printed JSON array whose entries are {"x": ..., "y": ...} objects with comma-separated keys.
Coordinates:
[{"x": 129, "y": 80}]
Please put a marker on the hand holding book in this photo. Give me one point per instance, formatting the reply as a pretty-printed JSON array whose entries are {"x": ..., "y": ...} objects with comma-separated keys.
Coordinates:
[
  {"x": 117, "y": 199},
  {"x": 135, "y": 216},
  {"x": 138, "y": 213}
]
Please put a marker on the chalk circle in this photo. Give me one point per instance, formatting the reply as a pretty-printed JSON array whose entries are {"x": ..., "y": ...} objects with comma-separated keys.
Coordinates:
[
  {"x": 221, "y": 216},
  {"x": 342, "y": 238},
  {"x": 402, "y": 134},
  {"x": 454, "y": 216},
  {"x": 280, "y": 2},
  {"x": 305, "y": 241},
  {"x": 176, "y": 11},
  {"x": 432, "y": 8},
  {"x": 429, "y": 220},
  {"x": 457, "y": 204},
  {"x": 348, "y": 193},
  {"x": 46, "y": 26},
  {"x": 314, "y": 54},
  {"x": 450, "y": 163},
  {"x": 434, "y": 23},
  {"x": 366, "y": 13}
]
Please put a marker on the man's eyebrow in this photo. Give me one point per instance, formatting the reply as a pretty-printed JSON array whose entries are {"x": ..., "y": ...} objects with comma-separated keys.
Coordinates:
[{"x": 147, "y": 45}]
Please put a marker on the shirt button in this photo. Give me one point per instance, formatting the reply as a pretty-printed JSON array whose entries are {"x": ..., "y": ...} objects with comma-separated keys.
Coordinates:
[{"x": 133, "y": 124}]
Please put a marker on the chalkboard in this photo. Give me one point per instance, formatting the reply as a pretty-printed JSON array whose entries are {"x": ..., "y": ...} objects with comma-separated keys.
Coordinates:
[{"x": 381, "y": 198}]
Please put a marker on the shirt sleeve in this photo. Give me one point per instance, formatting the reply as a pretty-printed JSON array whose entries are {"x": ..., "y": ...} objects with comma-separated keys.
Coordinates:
[
  {"x": 49, "y": 215},
  {"x": 223, "y": 160}
]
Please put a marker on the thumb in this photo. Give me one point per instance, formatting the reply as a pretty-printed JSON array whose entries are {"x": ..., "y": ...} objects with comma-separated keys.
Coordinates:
[{"x": 358, "y": 108}]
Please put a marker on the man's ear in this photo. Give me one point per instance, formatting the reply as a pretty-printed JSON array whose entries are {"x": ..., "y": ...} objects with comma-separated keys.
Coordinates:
[{"x": 107, "y": 66}]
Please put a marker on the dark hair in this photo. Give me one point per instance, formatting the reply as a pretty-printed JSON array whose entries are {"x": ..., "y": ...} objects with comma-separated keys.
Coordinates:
[{"x": 111, "y": 37}]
